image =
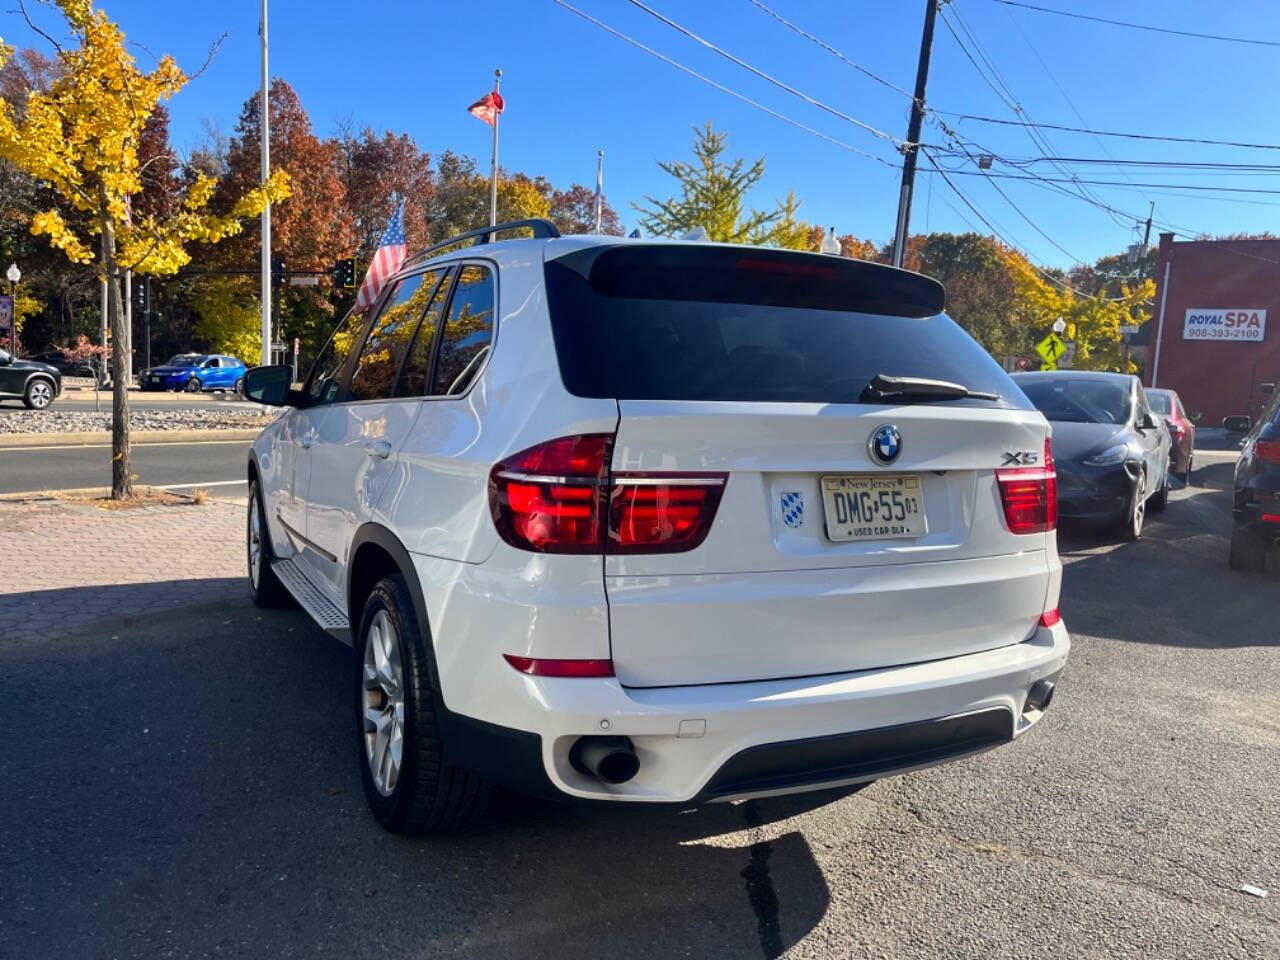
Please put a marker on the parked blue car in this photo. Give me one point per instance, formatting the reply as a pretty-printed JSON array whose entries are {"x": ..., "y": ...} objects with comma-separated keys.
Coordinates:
[{"x": 194, "y": 372}]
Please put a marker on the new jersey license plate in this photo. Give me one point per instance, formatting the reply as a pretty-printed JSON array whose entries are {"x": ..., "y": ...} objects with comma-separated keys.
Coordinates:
[{"x": 874, "y": 506}]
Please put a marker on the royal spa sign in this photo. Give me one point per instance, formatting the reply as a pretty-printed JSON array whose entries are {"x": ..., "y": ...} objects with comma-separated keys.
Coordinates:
[{"x": 1205, "y": 323}]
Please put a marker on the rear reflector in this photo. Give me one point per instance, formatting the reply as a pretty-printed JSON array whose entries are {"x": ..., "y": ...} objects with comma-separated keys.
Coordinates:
[
  {"x": 1271, "y": 518},
  {"x": 559, "y": 497},
  {"x": 1268, "y": 450},
  {"x": 1030, "y": 495},
  {"x": 1050, "y": 617},
  {"x": 560, "y": 668}
]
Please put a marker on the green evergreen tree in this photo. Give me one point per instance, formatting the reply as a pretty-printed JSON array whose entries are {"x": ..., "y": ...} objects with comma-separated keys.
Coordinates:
[{"x": 713, "y": 194}]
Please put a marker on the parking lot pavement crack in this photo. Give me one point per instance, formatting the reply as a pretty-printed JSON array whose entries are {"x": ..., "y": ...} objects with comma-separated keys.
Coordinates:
[
  {"x": 760, "y": 889},
  {"x": 1026, "y": 855}
]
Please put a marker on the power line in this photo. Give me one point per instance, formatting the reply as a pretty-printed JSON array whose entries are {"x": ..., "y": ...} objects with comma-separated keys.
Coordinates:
[
  {"x": 764, "y": 76},
  {"x": 1141, "y": 26},
  {"x": 1119, "y": 183},
  {"x": 1113, "y": 133},
  {"x": 1012, "y": 101},
  {"x": 723, "y": 89},
  {"x": 978, "y": 213},
  {"x": 1053, "y": 77},
  {"x": 832, "y": 50}
]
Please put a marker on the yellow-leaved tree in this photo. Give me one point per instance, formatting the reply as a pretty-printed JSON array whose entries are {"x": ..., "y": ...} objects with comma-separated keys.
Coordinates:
[{"x": 81, "y": 137}]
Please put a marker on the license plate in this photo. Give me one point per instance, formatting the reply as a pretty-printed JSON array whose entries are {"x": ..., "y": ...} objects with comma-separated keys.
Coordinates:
[{"x": 874, "y": 506}]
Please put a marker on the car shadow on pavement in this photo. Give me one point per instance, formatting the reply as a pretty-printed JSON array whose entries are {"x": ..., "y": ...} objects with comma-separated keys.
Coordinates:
[{"x": 182, "y": 779}]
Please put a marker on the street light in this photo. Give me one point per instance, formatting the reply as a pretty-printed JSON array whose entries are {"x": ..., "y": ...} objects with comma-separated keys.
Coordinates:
[{"x": 14, "y": 275}]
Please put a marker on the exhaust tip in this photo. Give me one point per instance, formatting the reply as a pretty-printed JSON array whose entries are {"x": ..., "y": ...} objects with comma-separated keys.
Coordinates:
[
  {"x": 610, "y": 760},
  {"x": 1040, "y": 695}
]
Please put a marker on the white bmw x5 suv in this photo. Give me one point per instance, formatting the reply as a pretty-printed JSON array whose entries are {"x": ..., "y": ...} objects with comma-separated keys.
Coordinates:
[{"x": 659, "y": 521}]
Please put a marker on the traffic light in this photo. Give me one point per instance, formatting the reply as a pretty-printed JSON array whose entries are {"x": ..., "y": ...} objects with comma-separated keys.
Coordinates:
[
  {"x": 277, "y": 269},
  {"x": 344, "y": 273}
]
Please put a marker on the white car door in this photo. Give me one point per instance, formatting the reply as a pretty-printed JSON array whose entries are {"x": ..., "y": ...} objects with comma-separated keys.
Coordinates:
[{"x": 356, "y": 441}]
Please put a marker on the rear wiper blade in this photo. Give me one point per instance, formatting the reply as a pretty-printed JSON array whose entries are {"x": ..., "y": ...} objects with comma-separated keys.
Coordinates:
[{"x": 917, "y": 390}]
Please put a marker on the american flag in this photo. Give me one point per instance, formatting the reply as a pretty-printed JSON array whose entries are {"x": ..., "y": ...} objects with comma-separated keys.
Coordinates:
[{"x": 390, "y": 254}]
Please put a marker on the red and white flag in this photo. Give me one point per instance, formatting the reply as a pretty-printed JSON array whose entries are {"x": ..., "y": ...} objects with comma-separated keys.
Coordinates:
[
  {"x": 386, "y": 260},
  {"x": 488, "y": 107}
]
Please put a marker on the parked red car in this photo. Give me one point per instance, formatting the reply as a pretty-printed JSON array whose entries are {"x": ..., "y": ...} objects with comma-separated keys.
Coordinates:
[{"x": 1182, "y": 429}]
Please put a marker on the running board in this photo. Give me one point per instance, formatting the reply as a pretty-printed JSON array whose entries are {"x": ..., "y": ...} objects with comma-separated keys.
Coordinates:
[{"x": 329, "y": 618}]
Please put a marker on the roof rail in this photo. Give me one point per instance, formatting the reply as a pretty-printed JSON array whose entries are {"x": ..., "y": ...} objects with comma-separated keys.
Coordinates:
[{"x": 542, "y": 229}]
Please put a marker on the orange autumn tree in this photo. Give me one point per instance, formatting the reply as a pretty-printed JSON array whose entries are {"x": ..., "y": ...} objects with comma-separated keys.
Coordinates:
[{"x": 81, "y": 137}]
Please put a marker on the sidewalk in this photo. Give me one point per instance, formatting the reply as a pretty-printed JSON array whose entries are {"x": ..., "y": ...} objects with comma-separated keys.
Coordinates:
[{"x": 143, "y": 562}]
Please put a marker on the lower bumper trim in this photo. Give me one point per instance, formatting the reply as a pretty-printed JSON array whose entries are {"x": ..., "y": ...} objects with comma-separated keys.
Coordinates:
[{"x": 863, "y": 755}]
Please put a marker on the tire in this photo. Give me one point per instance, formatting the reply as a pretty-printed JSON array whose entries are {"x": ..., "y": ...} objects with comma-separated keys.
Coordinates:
[
  {"x": 193, "y": 385},
  {"x": 264, "y": 586},
  {"x": 39, "y": 393},
  {"x": 239, "y": 388},
  {"x": 426, "y": 793},
  {"x": 1160, "y": 499},
  {"x": 1248, "y": 551},
  {"x": 1135, "y": 515}
]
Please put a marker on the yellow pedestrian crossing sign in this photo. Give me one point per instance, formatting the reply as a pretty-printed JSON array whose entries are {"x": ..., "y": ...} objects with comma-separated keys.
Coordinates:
[{"x": 1050, "y": 349}]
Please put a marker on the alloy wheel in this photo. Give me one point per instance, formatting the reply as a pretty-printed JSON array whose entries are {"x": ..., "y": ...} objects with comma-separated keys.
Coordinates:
[
  {"x": 382, "y": 703},
  {"x": 40, "y": 394},
  {"x": 255, "y": 541},
  {"x": 1139, "y": 505}
]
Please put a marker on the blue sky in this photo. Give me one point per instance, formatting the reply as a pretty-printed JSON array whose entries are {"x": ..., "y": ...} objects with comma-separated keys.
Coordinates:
[{"x": 572, "y": 89}]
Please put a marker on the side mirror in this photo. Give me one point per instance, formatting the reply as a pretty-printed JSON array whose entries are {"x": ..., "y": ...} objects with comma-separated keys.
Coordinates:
[
  {"x": 1267, "y": 388},
  {"x": 1195, "y": 417},
  {"x": 270, "y": 385},
  {"x": 1237, "y": 424},
  {"x": 1146, "y": 422}
]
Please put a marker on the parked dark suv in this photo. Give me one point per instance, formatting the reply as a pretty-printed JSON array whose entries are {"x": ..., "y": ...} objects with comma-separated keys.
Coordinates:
[
  {"x": 34, "y": 383},
  {"x": 1256, "y": 503}
]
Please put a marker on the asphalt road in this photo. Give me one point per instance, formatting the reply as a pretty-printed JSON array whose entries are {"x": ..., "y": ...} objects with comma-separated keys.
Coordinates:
[
  {"x": 82, "y": 400},
  {"x": 188, "y": 787},
  {"x": 215, "y": 464}
]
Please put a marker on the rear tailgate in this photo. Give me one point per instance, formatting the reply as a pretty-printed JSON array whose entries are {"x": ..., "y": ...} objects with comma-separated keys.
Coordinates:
[{"x": 748, "y": 369}]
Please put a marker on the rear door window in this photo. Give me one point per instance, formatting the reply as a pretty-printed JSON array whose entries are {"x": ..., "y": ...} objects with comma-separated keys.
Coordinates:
[
  {"x": 390, "y": 335},
  {"x": 658, "y": 322},
  {"x": 417, "y": 364},
  {"x": 468, "y": 332}
]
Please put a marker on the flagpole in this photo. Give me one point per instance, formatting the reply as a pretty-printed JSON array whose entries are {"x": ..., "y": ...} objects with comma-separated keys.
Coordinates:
[
  {"x": 493, "y": 180},
  {"x": 599, "y": 187},
  {"x": 265, "y": 131}
]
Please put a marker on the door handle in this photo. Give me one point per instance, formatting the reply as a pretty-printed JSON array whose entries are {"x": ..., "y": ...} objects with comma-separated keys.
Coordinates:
[
  {"x": 379, "y": 448},
  {"x": 305, "y": 440}
]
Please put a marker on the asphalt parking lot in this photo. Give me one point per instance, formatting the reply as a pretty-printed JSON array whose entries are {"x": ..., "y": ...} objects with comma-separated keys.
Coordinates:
[{"x": 179, "y": 779}]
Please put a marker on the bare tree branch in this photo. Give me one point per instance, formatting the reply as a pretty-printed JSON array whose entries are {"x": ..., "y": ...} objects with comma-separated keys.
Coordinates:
[
  {"x": 22, "y": 8},
  {"x": 213, "y": 52}
]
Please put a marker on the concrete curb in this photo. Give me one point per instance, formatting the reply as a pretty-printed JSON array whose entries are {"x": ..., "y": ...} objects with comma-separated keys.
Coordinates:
[{"x": 103, "y": 437}]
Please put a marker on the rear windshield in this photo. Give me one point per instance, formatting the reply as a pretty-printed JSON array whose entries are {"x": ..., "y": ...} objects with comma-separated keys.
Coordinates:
[
  {"x": 720, "y": 323},
  {"x": 1078, "y": 400},
  {"x": 1159, "y": 402}
]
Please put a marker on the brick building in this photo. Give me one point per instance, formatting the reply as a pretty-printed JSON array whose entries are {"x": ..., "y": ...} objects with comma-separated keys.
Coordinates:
[{"x": 1209, "y": 338}]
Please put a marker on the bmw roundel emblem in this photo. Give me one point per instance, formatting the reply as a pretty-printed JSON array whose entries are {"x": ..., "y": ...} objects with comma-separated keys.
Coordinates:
[{"x": 885, "y": 444}]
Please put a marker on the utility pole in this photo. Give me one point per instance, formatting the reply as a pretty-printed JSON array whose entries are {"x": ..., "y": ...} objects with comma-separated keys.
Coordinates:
[
  {"x": 265, "y": 110},
  {"x": 1142, "y": 271},
  {"x": 146, "y": 320},
  {"x": 913, "y": 135},
  {"x": 599, "y": 188}
]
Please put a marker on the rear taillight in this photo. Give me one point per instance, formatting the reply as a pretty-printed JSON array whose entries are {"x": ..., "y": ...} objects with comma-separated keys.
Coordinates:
[
  {"x": 1268, "y": 450},
  {"x": 661, "y": 514},
  {"x": 1030, "y": 495},
  {"x": 559, "y": 497}
]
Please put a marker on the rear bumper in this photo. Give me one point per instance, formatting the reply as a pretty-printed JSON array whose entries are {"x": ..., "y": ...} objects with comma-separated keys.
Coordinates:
[{"x": 723, "y": 741}]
